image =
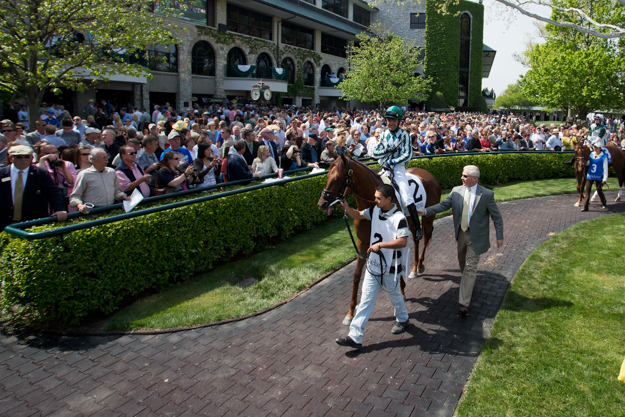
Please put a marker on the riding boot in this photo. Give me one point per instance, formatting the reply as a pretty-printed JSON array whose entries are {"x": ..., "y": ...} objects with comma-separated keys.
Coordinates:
[
  {"x": 412, "y": 209},
  {"x": 571, "y": 162}
]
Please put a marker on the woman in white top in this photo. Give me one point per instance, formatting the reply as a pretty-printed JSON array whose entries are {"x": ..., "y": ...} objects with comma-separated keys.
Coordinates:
[{"x": 264, "y": 164}]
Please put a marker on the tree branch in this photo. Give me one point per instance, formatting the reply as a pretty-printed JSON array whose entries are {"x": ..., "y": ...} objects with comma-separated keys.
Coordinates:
[{"x": 617, "y": 33}]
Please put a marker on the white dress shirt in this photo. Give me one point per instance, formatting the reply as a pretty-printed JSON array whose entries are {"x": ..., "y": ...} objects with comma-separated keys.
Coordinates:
[
  {"x": 472, "y": 195},
  {"x": 14, "y": 173}
]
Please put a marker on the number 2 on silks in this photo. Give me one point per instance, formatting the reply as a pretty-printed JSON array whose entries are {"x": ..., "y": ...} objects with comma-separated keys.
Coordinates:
[{"x": 416, "y": 191}]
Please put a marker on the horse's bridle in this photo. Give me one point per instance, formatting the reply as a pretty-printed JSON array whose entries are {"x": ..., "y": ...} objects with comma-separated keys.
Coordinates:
[{"x": 341, "y": 194}]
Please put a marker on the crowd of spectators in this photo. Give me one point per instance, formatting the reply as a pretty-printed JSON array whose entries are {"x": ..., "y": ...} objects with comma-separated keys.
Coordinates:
[{"x": 101, "y": 156}]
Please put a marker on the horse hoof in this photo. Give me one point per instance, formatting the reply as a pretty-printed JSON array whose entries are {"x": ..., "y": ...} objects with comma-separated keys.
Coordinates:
[
  {"x": 413, "y": 275},
  {"x": 347, "y": 321},
  {"x": 421, "y": 269},
  {"x": 618, "y": 199},
  {"x": 576, "y": 204}
]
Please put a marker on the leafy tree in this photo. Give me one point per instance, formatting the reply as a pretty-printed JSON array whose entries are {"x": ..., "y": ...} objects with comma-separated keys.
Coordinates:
[
  {"x": 515, "y": 98},
  {"x": 584, "y": 80},
  {"x": 382, "y": 70},
  {"x": 48, "y": 44},
  {"x": 574, "y": 69}
]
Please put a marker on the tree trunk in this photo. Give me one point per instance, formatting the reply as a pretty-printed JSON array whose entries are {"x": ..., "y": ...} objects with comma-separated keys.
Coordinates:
[{"x": 33, "y": 101}]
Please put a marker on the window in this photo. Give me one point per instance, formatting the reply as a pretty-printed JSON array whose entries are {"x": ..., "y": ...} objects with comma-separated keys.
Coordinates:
[
  {"x": 201, "y": 11},
  {"x": 325, "y": 72},
  {"x": 202, "y": 59},
  {"x": 263, "y": 66},
  {"x": 333, "y": 45},
  {"x": 335, "y": 6},
  {"x": 296, "y": 35},
  {"x": 163, "y": 58},
  {"x": 417, "y": 20},
  {"x": 235, "y": 57},
  {"x": 465, "y": 60},
  {"x": 289, "y": 66},
  {"x": 308, "y": 74},
  {"x": 362, "y": 16},
  {"x": 248, "y": 22}
]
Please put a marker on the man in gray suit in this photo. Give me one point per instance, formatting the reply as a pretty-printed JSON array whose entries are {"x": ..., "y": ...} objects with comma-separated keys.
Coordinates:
[{"x": 471, "y": 206}]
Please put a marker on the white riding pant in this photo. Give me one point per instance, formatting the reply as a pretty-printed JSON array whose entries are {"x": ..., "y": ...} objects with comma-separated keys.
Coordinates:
[
  {"x": 370, "y": 290},
  {"x": 399, "y": 172}
]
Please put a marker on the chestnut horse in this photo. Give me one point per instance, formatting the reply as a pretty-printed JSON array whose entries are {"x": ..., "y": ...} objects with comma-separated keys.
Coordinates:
[
  {"x": 582, "y": 156},
  {"x": 347, "y": 176}
]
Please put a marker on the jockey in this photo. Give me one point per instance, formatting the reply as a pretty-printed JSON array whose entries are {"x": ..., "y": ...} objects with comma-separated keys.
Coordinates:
[
  {"x": 394, "y": 149},
  {"x": 598, "y": 130}
]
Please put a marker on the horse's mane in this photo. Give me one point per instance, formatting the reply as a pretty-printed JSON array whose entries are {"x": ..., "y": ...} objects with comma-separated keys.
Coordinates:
[{"x": 369, "y": 171}]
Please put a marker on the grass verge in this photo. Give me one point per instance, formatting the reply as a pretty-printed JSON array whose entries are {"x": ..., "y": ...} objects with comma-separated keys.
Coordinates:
[
  {"x": 283, "y": 271},
  {"x": 557, "y": 344}
]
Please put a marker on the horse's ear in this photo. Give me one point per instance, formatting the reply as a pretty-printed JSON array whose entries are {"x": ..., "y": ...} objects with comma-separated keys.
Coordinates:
[{"x": 343, "y": 157}]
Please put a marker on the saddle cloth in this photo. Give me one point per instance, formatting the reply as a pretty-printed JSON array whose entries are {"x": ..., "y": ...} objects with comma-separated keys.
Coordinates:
[{"x": 416, "y": 190}]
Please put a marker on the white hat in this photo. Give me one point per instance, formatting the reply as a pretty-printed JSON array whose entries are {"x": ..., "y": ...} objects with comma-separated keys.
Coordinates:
[
  {"x": 598, "y": 143},
  {"x": 173, "y": 134},
  {"x": 91, "y": 130},
  {"x": 20, "y": 150}
]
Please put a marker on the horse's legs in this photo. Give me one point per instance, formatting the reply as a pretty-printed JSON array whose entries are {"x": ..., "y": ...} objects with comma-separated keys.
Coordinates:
[
  {"x": 415, "y": 254},
  {"x": 428, "y": 228},
  {"x": 581, "y": 185},
  {"x": 362, "y": 248}
]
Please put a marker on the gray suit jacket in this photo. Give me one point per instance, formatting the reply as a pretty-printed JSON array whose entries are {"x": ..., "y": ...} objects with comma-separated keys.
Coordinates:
[{"x": 483, "y": 207}]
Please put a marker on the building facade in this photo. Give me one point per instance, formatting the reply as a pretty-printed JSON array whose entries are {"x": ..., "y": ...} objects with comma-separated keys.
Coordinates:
[{"x": 297, "y": 47}]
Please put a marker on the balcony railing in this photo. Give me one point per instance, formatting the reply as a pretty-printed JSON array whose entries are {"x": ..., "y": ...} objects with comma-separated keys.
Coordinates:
[
  {"x": 252, "y": 71},
  {"x": 329, "y": 82}
]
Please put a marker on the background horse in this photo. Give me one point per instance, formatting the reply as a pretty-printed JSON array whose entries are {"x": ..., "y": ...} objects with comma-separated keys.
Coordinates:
[
  {"x": 582, "y": 156},
  {"x": 347, "y": 177}
]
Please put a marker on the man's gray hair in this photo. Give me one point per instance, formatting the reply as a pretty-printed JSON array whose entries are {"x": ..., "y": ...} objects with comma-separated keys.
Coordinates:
[
  {"x": 472, "y": 170},
  {"x": 94, "y": 153},
  {"x": 475, "y": 132}
]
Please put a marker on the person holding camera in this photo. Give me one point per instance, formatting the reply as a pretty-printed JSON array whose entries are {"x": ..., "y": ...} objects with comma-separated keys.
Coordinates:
[
  {"x": 63, "y": 173},
  {"x": 172, "y": 177},
  {"x": 131, "y": 175},
  {"x": 205, "y": 165}
]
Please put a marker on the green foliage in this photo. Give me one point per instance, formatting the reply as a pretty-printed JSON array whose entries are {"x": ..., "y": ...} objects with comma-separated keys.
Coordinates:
[
  {"x": 382, "y": 70},
  {"x": 442, "y": 40},
  {"x": 436, "y": 101},
  {"x": 575, "y": 69},
  {"x": 514, "y": 98},
  {"x": 497, "y": 168},
  {"x": 40, "y": 51},
  {"x": 96, "y": 269},
  {"x": 584, "y": 79}
]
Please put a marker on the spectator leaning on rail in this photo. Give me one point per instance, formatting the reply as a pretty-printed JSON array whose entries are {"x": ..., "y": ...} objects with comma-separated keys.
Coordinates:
[
  {"x": 328, "y": 156},
  {"x": 97, "y": 185},
  {"x": 131, "y": 175},
  {"x": 27, "y": 190}
]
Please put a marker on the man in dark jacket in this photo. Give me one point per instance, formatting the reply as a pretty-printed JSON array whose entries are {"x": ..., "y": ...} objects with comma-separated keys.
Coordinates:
[
  {"x": 27, "y": 190},
  {"x": 251, "y": 146},
  {"x": 237, "y": 167}
]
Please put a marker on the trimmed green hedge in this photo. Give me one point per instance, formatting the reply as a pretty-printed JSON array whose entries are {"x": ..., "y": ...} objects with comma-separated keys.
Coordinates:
[{"x": 96, "y": 269}]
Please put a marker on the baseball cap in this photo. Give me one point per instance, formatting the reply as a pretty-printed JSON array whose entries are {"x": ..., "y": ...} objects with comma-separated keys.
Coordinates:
[
  {"x": 173, "y": 134},
  {"x": 151, "y": 125},
  {"x": 90, "y": 130}
]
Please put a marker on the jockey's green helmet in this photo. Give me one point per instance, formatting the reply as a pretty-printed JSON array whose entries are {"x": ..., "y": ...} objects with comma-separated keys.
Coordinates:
[{"x": 394, "y": 112}]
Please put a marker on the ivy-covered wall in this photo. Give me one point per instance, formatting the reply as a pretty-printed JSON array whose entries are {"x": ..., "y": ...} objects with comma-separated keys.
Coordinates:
[{"x": 442, "y": 48}]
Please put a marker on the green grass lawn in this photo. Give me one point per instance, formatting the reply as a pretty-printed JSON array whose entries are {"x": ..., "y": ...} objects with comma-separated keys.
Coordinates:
[
  {"x": 283, "y": 271},
  {"x": 558, "y": 343}
]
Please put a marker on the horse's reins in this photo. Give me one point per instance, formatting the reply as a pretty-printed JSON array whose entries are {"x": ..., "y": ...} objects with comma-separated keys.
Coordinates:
[{"x": 341, "y": 195}]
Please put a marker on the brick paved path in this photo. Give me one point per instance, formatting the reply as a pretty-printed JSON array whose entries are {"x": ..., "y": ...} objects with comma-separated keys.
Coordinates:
[{"x": 285, "y": 362}]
